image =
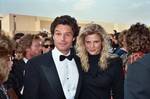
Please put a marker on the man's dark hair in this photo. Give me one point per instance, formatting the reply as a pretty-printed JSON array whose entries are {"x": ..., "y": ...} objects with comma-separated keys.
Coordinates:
[
  {"x": 138, "y": 38},
  {"x": 18, "y": 35},
  {"x": 65, "y": 20},
  {"x": 43, "y": 34}
]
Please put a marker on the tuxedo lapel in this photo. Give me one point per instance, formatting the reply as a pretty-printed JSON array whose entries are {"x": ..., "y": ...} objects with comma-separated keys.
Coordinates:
[
  {"x": 78, "y": 63},
  {"x": 51, "y": 74}
]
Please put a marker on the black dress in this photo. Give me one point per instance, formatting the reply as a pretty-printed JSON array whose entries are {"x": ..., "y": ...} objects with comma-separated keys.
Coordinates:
[
  {"x": 3, "y": 93},
  {"x": 99, "y": 84}
]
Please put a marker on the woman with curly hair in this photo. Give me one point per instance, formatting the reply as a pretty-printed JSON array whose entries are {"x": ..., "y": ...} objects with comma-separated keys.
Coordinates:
[
  {"x": 137, "y": 78},
  {"x": 6, "y": 48},
  {"x": 102, "y": 72}
]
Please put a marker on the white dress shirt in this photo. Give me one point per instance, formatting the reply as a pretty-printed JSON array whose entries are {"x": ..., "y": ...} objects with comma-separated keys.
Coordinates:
[{"x": 68, "y": 73}]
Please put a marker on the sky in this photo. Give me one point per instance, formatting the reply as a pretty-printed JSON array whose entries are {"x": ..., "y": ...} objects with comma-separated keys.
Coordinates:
[{"x": 116, "y": 11}]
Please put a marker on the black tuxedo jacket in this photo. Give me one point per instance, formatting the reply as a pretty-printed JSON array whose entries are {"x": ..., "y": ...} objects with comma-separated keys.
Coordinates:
[
  {"x": 137, "y": 82},
  {"x": 42, "y": 80}
]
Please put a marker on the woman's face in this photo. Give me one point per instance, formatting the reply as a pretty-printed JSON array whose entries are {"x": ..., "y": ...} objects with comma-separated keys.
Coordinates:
[
  {"x": 93, "y": 44},
  {"x": 6, "y": 64}
]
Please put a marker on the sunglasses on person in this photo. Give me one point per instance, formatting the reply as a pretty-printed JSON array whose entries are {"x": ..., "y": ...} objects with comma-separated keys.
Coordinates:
[{"x": 46, "y": 46}]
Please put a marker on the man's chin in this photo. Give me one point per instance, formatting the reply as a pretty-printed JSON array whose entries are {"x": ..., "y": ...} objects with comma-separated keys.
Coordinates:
[{"x": 64, "y": 49}]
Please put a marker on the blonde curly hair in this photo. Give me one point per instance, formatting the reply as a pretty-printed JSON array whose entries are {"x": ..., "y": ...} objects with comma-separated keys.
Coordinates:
[{"x": 90, "y": 29}]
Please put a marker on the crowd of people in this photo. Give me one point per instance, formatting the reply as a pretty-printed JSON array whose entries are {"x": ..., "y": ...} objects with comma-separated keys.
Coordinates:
[{"x": 76, "y": 63}]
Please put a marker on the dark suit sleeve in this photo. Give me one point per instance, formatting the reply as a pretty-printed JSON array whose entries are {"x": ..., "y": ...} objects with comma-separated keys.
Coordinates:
[
  {"x": 12, "y": 81},
  {"x": 118, "y": 79},
  {"x": 18, "y": 73},
  {"x": 15, "y": 79},
  {"x": 137, "y": 83},
  {"x": 31, "y": 81}
]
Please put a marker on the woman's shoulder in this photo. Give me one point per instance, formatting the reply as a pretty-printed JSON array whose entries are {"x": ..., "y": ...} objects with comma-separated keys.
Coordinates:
[
  {"x": 115, "y": 66},
  {"x": 113, "y": 58},
  {"x": 114, "y": 61}
]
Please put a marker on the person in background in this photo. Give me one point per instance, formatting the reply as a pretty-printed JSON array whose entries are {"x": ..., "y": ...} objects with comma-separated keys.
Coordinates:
[
  {"x": 30, "y": 45},
  {"x": 18, "y": 36},
  {"x": 114, "y": 41},
  {"x": 103, "y": 72},
  {"x": 6, "y": 49},
  {"x": 56, "y": 74},
  {"x": 121, "y": 41},
  {"x": 42, "y": 35},
  {"x": 17, "y": 55},
  {"x": 47, "y": 45},
  {"x": 137, "y": 82},
  {"x": 122, "y": 51}
]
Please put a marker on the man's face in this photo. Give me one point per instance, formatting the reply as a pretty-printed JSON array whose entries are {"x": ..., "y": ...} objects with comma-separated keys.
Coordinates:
[
  {"x": 47, "y": 46},
  {"x": 63, "y": 38},
  {"x": 36, "y": 47}
]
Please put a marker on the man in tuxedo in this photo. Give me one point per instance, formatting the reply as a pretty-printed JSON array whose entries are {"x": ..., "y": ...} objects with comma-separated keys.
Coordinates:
[{"x": 56, "y": 74}]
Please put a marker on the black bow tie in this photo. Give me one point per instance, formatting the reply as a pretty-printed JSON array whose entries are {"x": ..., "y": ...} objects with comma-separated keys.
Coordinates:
[{"x": 62, "y": 57}]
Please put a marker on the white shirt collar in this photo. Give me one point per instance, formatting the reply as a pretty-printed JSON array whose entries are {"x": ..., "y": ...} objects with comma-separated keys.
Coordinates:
[
  {"x": 58, "y": 53},
  {"x": 25, "y": 60}
]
